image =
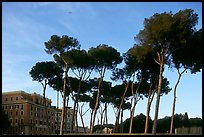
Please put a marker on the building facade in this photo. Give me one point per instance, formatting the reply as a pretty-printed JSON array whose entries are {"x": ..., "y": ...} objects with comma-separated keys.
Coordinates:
[{"x": 27, "y": 114}]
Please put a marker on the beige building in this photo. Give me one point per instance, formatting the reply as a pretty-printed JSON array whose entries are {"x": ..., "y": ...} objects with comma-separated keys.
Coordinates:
[{"x": 27, "y": 114}]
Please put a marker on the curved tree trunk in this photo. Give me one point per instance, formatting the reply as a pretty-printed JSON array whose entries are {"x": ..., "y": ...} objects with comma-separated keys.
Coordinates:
[
  {"x": 149, "y": 102},
  {"x": 81, "y": 116},
  {"x": 64, "y": 101},
  {"x": 115, "y": 130},
  {"x": 97, "y": 98},
  {"x": 148, "y": 110},
  {"x": 174, "y": 102},
  {"x": 75, "y": 106},
  {"x": 161, "y": 63},
  {"x": 134, "y": 105},
  {"x": 96, "y": 105}
]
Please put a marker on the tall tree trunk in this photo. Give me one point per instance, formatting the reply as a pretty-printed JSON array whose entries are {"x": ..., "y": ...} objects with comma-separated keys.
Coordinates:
[
  {"x": 57, "y": 111},
  {"x": 75, "y": 104},
  {"x": 134, "y": 105},
  {"x": 45, "y": 107},
  {"x": 174, "y": 102},
  {"x": 64, "y": 101},
  {"x": 161, "y": 63},
  {"x": 96, "y": 105},
  {"x": 149, "y": 102},
  {"x": 91, "y": 119},
  {"x": 66, "y": 115},
  {"x": 76, "y": 119},
  {"x": 115, "y": 130},
  {"x": 97, "y": 98},
  {"x": 81, "y": 116},
  {"x": 106, "y": 112},
  {"x": 121, "y": 121}
]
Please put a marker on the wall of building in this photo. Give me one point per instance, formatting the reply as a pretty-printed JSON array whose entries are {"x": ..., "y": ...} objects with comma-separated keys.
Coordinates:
[{"x": 27, "y": 114}]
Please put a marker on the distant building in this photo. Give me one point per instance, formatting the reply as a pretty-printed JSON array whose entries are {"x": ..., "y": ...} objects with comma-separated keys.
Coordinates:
[{"x": 27, "y": 114}]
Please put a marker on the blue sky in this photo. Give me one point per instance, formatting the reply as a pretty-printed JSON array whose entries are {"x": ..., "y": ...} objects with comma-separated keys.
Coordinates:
[{"x": 26, "y": 26}]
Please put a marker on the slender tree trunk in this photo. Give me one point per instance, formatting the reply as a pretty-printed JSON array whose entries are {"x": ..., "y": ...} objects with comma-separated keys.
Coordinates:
[
  {"x": 134, "y": 105},
  {"x": 81, "y": 116},
  {"x": 161, "y": 61},
  {"x": 96, "y": 105},
  {"x": 147, "y": 115},
  {"x": 64, "y": 102},
  {"x": 66, "y": 115},
  {"x": 57, "y": 111},
  {"x": 91, "y": 119},
  {"x": 105, "y": 121},
  {"x": 97, "y": 98},
  {"x": 149, "y": 102},
  {"x": 45, "y": 107},
  {"x": 75, "y": 104},
  {"x": 76, "y": 119},
  {"x": 102, "y": 114},
  {"x": 121, "y": 121},
  {"x": 174, "y": 102},
  {"x": 115, "y": 130}
]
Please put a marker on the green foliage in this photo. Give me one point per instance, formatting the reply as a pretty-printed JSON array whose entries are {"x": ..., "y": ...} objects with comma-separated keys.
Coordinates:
[
  {"x": 138, "y": 125},
  {"x": 163, "y": 124},
  {"x": 62, "y": 44},
  {"x": 81, "y": 59},
  {"x": 45, "y": 70},
  {"x": 157, "y": 31},
  {"x": 105, "y": 56}
]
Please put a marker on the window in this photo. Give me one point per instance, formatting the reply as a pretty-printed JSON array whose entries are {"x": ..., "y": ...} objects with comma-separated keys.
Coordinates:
[
  {"x": 16, "y": 98},
  {"x": 6, "y": 107},
  {"x": 36, "y": 122},
  {"x": 16, "y": 120},
  {"x": 6, "y": 99},
  {"x": 21, "y": 112},
  {"x": 21, "y": 121},
  {"x": 17, "y": 106},
  {"x": 11, "y": 113},
  {"x": 31, "y": 121},
  {"x": 16, "y": 113},
  {"x": 31, "y": 107},
  {"x": 36, "y": 101},
  {"x": 11, "y": 120},
  {"x": 11, "y": 98},
  {"x": 21, "y": 106}
]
